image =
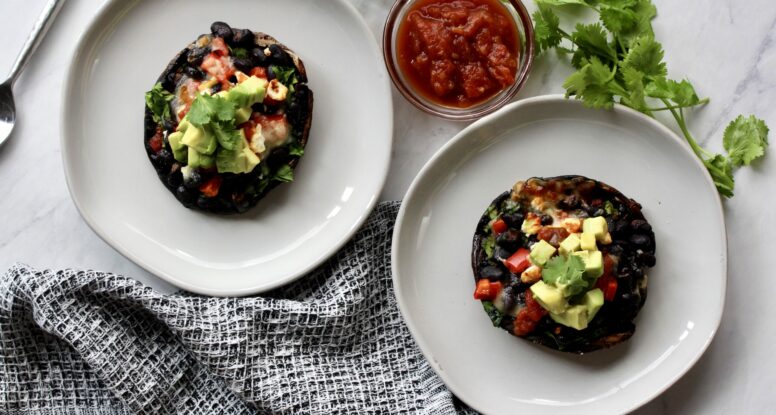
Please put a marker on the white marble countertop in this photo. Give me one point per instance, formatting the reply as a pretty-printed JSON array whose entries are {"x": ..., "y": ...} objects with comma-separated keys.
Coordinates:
[{"x": 726, "y": 48}]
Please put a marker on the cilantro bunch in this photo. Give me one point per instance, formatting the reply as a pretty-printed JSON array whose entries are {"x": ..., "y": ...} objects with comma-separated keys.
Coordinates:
[
  {"x": 217, "y": 114},
  {"x": 618, "y": 60}
]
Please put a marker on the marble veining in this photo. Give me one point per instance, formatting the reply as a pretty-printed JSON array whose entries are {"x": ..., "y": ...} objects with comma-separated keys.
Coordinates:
[{"x": 725, "y": 47}]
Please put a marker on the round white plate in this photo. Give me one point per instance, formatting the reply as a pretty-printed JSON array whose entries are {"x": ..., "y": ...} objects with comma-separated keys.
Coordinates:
[
  {"x": 293, "y": 229},
  {"x": 497, "y": 373}
]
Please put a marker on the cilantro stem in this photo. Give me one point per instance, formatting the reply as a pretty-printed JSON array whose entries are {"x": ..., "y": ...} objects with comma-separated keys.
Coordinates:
[
  {"x": 669, "y": 107},
  {"x": 679, "y": 117}
]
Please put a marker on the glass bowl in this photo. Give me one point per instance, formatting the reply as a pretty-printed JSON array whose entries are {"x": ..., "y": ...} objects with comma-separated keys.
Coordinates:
[{"x": 525, "y": 31}]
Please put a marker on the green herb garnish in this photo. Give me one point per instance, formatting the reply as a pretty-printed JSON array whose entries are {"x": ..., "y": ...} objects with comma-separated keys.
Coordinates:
[
  {"x": 619, "y": 60},
  {"x": 240, "y": 53},
  {"x": 567, "y": 272},
  {"x": 284, "y": 174},
  {"x": 286, "y": 75},
  {"x": 295, "y": 149},
  {"x": 158, "y": 101},
  {"x": 495, "y": 315}
]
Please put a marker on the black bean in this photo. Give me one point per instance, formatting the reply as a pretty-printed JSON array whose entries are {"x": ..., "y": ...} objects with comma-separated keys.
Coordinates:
[
  {"x": 169, "y": 125},
  {"x": 597, "y": 212},
  {"x": 271, "y": 73},
  {"x": 162, "y": 160},
  {"x": 640, "y": 240},
  {"x": 193, "y": 72},
  {"x": 621, "y": 227},
  {"x": 169, "y": 81},
  {"x": 197, "y": 55},
  {"x": 514, "y": 220},
  {"x": 510, "y": 240},
  {"x": 647, "y": 259},
  {"x": 637, "y": 272},
  {"x": 222, "y": 30},
  {"x": 216, "y": 88},
  {"x": 279, "y": 57},
  {"x": 185, "y": 195},
  {"x": 175, "y": 179},
  {"x": 640, "y": 225},
  {"x": 546, "y": 220},
  {"x": 206, "y": 202},
  {"x": 244, "y": 65},
  {"x": 501, "y": 253},
  {"x": 493, "y": 273},
  {"x": 258, "y": 57},
  {"x": 195, "y": 180},
  {"x": 242, "y": 38}
]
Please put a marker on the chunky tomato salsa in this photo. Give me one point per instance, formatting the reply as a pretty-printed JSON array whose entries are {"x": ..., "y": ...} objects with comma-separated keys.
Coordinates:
[{"x": 458, "y": 52}]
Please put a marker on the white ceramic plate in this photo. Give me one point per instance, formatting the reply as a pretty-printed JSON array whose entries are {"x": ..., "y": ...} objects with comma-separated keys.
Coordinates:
[
  {"x": 497, "y": 373},
  {"x": 298, "y": 225}
]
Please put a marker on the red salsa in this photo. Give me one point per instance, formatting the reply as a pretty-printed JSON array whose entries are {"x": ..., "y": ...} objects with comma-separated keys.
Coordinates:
[{"x": 458, "y": 53}]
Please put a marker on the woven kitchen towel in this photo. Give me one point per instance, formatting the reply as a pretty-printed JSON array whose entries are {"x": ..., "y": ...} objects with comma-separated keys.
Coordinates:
[{"x": 84, "y": 342}]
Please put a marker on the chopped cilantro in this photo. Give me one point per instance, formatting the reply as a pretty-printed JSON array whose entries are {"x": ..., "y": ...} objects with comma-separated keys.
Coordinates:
[
  {"x": 567, "y": 271},
  {"x": 495, "y": 315},
  {"x": 295, "y": 149},
  {"x": 284, "y": 174},
  {"x": 158, "y": 101},
  {"x": 489, "y": 244},
  {"x": 240, "y": 53}
]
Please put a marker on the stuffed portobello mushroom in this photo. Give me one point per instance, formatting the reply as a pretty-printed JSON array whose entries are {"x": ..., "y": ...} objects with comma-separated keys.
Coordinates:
[
  {"x": 228, "y": 119},
  {"x": 562, "y": 262}
]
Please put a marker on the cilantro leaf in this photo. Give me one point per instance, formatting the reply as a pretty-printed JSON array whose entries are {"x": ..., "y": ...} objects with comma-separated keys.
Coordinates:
[
  {"x": 284, "y": 174},
  {"x": 682, "y": 93},
  {"x": 489, "y": 244},
  {"x": 591, "y": 41},
  {"x": 592, "y": 84},
  {"x": 645, "y": 11},
  {"x": 634, "y": 84},
  {"x": 208, "y": 108},
  {"x": 546, "y": 28},
  {"x": 158, "y": 101},
  {"x": 646, "y": 55},
  {"x": 567, "y": 272},
  {"x": 745, "y": 139},
  {"x": 617, "y": 15},
  {"x": 296, "y": 149}
]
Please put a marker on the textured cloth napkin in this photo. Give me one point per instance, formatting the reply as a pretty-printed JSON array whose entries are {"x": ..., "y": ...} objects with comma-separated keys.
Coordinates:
[{"x": 84, "y": 342}]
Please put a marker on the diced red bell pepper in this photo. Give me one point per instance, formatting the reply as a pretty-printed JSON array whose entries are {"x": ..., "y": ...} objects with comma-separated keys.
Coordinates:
[
  {"x": 518, "y": 262},
  {"x": 156, "y": 142},
  {"x": 210, "y": 187},
  {"x": 499, "y": 226},
  {"x": 487, "y": 290},
  {"x": 611, "y": 290}
]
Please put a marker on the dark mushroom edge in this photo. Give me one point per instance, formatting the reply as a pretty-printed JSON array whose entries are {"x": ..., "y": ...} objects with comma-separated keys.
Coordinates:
[
  {"x": 212, "y": 64},
  {"x": 536, "y": 210}
]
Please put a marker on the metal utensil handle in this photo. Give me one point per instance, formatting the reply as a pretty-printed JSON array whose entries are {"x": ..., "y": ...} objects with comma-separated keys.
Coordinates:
[{"x": 38, "y": 31}]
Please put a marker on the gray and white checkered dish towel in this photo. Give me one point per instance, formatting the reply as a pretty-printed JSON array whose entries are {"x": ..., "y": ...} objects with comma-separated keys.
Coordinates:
[{"x": 84, "y": 342}]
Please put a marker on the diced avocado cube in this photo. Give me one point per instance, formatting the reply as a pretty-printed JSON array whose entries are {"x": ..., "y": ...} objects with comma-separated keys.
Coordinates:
[
  {"x": 549, "y": 297},
  {"x": 200, "y": 140},
  {"x": 575, "y": 317},
  {"x": 531, "y": 225},
  {"x": 587, "y": 242},
  {"x": 183, "y": 125},
  {"x": 569, "y": 245},
  {"x": 179, "y": 150},
  {"x": 236, "y": 161},
  {"x": 197, "y": 159},
  {"x": 242, "y": 115},
  {"x": 248, "y": 92},
  {"x": 597, "y": 226},
  {"x": 593, "y": 300},
  {"x": 593, "y": 263},
  {"x": 541, "y": 252}
]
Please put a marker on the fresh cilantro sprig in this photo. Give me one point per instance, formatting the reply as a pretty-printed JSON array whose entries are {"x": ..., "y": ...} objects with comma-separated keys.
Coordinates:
[
  {"x": 216, "y": 114},
  {"x": 618, "y": 60},
  {"x": 158, "y": 101},
  {"x": 567, "y": 272}
]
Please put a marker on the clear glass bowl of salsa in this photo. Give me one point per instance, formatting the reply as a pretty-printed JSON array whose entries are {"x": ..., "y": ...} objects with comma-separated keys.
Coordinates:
[{"x": 458, "y": 59}]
